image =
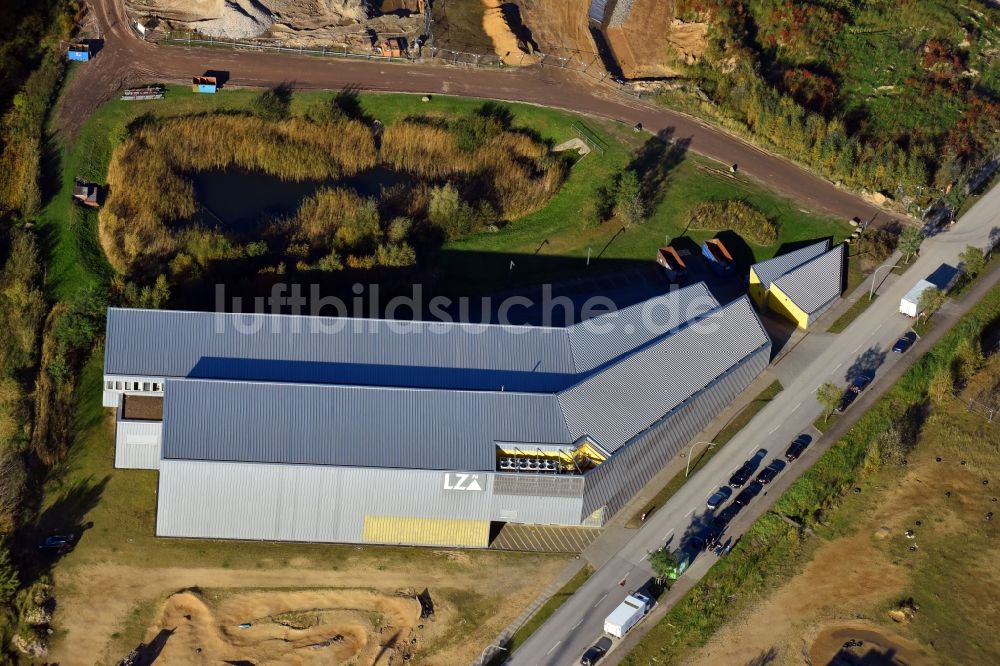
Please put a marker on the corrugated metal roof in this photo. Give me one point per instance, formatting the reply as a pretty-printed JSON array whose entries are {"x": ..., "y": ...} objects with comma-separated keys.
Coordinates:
[
  {"x": 351, "y": 426},
  {"x": 605, "y": 338},
  {"x": 322, "y": 349},
  {"x": 772, "y": 269},
  {"x": 433, "y": 429},
  {"x": 615, "y": 404},
  {"x": 379, "y": 352},
  {"x": 815, "y": 283}
]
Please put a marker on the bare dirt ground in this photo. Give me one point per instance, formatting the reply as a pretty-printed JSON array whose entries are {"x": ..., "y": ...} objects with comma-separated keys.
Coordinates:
[
  {"x": 828, "y": 647},
  {"x": 560, "y": 28},
  {"x": 506, "y": 44},
  {"x": 98, "y": 601},
  {"x": 651, "y": 42},
  {"x": 309, "y": 627}
]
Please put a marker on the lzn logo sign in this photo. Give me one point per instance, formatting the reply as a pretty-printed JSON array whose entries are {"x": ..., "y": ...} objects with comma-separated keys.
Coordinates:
[{"x": 462, "y": 482}]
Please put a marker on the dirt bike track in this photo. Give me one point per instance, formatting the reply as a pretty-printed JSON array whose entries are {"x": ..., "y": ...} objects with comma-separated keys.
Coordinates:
[{"x": 126, "y": 59}]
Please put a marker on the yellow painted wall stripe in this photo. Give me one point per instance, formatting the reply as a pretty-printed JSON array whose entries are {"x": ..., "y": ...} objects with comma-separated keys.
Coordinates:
[
  {"x": 783, "y": 305},
  {"x": 427, "y": 531}
]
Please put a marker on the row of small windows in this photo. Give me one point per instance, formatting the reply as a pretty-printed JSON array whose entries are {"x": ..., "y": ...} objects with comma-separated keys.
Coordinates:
[{"x": 132, "y": 386}]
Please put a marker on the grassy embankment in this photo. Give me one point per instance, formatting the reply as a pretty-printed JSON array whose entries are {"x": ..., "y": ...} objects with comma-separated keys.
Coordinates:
[
  {"x": 729, "y": 431},
  {"x": 772, "y": 549}
]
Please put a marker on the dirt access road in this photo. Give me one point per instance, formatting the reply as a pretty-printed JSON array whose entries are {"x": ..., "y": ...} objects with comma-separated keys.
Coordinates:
[{"x": 126, "y": 59}]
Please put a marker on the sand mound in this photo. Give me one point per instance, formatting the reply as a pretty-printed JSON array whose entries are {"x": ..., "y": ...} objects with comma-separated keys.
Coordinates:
[
  {"x": 308, "y": 627},
  {"x": 240, "y": 19},
  {"x": 511, "y": 42}
]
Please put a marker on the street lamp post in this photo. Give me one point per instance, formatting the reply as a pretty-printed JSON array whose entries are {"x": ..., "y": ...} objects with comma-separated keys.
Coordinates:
[
  {"x": 691, "y": 455},
  {"x": 482, "y": 657},
  {"x": 871, "y": 293}
]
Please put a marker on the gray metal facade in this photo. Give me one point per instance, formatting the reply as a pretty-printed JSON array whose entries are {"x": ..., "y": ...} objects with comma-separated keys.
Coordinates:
[
  {"x": 326, "y": 504},
  {"x": 307, "y": 459},
  {"x": 816, "y": 284},
  {"x": 770, "y": 270},
  {"x": 137, "y": 444},
  {"x": 612, "y": 483}
]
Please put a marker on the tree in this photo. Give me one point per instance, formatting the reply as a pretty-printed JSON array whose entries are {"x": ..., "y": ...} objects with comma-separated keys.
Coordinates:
[
  {"x": 973, "y": 260},
  {"x": 941, "y": 386},
  {"x": 629, "y": 206},
  {"x": 909, "y": 242},
  {"x": 828, "y": 395},
  {"x": 9, "y": 579},
  {"x": 930, "y": 301},
  {"x": 273, "y": 104},
  {"x": 664, "y": 564}
]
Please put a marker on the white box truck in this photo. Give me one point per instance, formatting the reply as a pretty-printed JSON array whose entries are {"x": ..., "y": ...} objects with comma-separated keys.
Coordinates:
[
  {"x": 909, "y": 305},
  {"x": 628, "y": 614}
]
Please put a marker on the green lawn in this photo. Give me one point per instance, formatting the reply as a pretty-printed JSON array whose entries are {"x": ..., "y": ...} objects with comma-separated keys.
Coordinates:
[
  {"x": 852, "y": 313},
  {"x": 550, "y": 244}
]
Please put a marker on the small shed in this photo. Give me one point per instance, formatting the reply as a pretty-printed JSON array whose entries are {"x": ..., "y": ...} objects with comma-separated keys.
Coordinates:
[
  {"x": 672, "y": 263},
  {"x": 719, "y": 259},
  {"x": 86, "y": 193},
  {"x": 204, "y": 84},
  {"x": 78, "y": 52}
]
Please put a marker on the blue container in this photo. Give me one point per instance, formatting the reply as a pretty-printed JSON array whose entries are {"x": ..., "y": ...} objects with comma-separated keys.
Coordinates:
[
  {"x": 205, "y": 88},
  {"x": 79, "y": 56}
]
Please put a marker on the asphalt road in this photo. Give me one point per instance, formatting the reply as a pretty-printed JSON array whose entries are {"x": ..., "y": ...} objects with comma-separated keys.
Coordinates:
[
  {"x": 866, "y": 343},
  {"x": 126, "y": 59}
]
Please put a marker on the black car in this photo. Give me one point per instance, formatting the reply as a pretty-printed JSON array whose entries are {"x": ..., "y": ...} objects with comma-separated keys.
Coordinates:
[
  {"x": 748, "y": 493},
  {"x": 742, "y": 475},
  {"x": 904, "y": 343},
  {"x": 768, "y": 473},
  {"x": 719, "y": 497},
  {"x": 58, "y": 542},
  {"x": 595, "y": 652},
  {"x": 859, "y": 384},
  {"x": 797, "y": 448},
  {"x": 726, "y": 516}
]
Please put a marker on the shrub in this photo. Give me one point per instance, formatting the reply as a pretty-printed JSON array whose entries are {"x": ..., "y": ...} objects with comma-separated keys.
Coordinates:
[
  {"x": 875, "y": 246},
  {"x": 737, "y": 216},
  {"x": 273, "y": 104},
  {"x": 629, "y": 206}
]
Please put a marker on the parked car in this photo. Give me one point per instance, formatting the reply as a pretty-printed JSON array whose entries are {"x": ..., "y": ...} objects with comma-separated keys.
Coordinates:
[
  {"x": 719, "y": 497},
  {"x": 851, "y": 393},
  {"x": 768, "y": 473},
  {"x": 904, "y": 343},
  {"x": 742, "y": 475},
  {"x": 752, "y": 490},
  {"x": 595, "y": 652},
  {"x": 797, "y": 447},
  {"x": 58, "y": 542},
  {"x": 724, "y": 517}
]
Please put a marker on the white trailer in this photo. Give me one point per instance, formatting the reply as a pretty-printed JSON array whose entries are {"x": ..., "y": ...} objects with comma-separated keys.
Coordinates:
[
  {"x": 628, "y": 614},
  {"x": 909, "y": 305}
]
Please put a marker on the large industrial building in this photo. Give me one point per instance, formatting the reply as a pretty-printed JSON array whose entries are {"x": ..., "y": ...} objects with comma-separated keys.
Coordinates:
[{"x": 326, "y": 429}]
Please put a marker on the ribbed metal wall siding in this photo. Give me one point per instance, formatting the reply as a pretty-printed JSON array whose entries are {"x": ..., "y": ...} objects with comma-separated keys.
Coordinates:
[
  {"x": 171, "y": 344},
  {"x": 772, "y": 269},
  {"x": 615, "y": 404},
  {"x": 816, "y": 283},
  {"x": 351, "y": 426},
  {"x": 607, "y": 337},
  {"x": 137, "y": 444},
  {"x": 301, "y": 502},
  {"x": 615, "y": 481},
  {"x": 537, "y": 510},
  {"x": 538, "y": 485}
]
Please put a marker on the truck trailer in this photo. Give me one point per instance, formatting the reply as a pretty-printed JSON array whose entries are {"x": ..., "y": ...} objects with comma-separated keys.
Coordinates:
[
  {"x": 628, "y": 614},
  {"x": 910, "y": 304}
]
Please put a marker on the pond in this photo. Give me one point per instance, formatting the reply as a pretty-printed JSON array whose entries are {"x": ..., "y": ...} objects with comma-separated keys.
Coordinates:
[{"x": 240, "y": 199}]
